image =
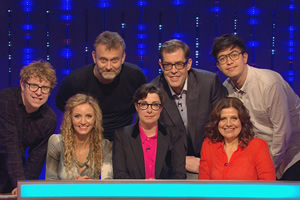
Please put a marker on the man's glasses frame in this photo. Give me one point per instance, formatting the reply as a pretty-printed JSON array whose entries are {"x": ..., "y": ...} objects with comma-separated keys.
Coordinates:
[
  {"x": 178, "y": 65},
  {"x": 235, "y": 55},
  {"x": 34, "y": 87}
]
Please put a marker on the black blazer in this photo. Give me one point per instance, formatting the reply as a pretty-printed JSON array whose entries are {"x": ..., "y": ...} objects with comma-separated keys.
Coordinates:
[
  {"x": 204, "y": 89},
  {"x": 128, "y": 157}
]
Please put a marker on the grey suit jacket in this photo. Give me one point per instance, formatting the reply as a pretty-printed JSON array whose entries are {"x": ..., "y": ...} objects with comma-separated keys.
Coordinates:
[
  {"x": 128, "y": 157},
  {"x": 204, "y": 88}
]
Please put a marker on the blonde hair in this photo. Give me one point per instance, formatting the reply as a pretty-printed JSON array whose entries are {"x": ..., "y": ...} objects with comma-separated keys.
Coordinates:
[
  {"x": 96, "y": 137},
  {"x": 41, "y": 70}
]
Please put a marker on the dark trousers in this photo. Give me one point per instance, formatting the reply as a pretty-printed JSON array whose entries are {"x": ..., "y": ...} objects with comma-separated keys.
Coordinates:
[{"x": 292, "y": 173}]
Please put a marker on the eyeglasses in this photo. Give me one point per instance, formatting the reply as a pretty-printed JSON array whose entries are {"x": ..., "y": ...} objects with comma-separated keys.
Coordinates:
[
  {"x": 154, "y": 106},
  {"x": 178, "y": 65},
  {"x": 233, "y": 56},
  {"x": 35, "y": 87}
]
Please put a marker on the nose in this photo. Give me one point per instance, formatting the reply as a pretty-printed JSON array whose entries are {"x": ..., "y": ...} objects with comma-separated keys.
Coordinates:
[
  {"x": 39, "y": 91},
  {"x": 108, "y": 66},
  {"x": 149, "y": 109},
  {"x": 82, "y": 120},
  {"x": 173, "y": 69},
  {"x": 229, "y": 60},
  {"x": 228, "y": 123}
]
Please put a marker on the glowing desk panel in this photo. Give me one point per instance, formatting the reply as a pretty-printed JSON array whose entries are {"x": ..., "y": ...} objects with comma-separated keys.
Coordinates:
[{"x": 161, "y": 189}]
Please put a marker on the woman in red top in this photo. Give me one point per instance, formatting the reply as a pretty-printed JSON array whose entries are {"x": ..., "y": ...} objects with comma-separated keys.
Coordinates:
[{"x": 230, "y": 151}]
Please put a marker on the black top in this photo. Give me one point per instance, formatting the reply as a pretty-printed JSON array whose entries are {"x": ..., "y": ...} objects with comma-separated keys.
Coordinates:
[
  {"x": 115, "y": 99},
  {"x": 19, "y": 131}
]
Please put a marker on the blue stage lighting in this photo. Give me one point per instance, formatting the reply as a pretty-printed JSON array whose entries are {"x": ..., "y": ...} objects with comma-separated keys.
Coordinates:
[
  {"x": 104, "y": 3},
  {"x": 178, "y": 2},
  {"x": 253, "y": 11},
  {"x": 66, "y": 5}
]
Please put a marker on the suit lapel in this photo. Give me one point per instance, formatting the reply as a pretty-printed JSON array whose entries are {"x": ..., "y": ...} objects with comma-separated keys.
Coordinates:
[
  {"x": 137, "y": 148},
  {"x": 170, "y": 106},
  {"x": 162, "y": 148},
  {"x": 192, "y": 101}
]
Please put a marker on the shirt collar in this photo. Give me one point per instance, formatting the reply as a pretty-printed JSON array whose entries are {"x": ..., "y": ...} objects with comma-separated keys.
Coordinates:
[
  {"x": 143, "y": 136},
  {"x": 244, "y": 88}
]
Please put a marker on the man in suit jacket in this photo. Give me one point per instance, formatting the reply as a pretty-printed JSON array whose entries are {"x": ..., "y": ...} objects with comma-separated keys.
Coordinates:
[{"x": 190, "y": 95}]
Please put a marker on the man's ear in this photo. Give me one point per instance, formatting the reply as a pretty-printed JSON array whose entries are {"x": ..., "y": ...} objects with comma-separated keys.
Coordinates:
[
  {"x": 94, "y": 56},
  {"x": 161, "y": 66},
  {"x": 245, "y": 56}
]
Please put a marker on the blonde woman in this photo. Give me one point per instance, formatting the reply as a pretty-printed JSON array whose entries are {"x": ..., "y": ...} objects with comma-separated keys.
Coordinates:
[{"x": 80, "y": 151}]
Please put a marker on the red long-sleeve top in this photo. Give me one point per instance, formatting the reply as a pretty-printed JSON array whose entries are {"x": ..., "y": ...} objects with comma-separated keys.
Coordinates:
[{"x": 251, "y": 163}]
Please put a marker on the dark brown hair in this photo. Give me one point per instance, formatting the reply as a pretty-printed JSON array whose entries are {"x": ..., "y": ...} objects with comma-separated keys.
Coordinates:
[
  {"x": 145, "y": 89},
  {"x": 173, "y": 45},
  {"x": 212, "y": 131}
]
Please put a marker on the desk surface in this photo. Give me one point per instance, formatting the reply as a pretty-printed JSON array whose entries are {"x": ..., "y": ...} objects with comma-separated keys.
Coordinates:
[{"x": 159, "y": 189}]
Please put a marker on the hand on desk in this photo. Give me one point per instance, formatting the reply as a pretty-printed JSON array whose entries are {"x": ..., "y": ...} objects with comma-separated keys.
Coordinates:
[
  {"x": 192, "y": 164},
  {"x": 82, "y": 177},
  {"x": 14, "y": 191}
]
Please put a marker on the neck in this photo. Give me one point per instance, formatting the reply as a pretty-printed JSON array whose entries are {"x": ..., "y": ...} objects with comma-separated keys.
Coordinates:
[
  {"x": 100, "y": 77},
  {"x": 28, "y": 108},
  {"x": 239, "y": 81},
  {"x": 149, "y": 129},
  {"x": 82, "y": 141},
  {"x": 232, "y": 143}
]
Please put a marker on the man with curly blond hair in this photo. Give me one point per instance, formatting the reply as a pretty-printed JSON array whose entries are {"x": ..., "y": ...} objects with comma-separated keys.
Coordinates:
[{"x": 26, "y": 123}]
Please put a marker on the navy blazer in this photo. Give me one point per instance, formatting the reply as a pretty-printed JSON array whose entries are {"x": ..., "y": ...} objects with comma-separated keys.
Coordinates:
[
  {"x": 128, "y": 156},
  {"x": 204, "y": 89}
]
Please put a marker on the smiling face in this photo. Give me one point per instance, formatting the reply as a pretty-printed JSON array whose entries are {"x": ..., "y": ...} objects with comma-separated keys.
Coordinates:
[
  {"x": 108, "y": 63},
  {"x": 149, "y": 117},
  {"x": 83, "y": 119},
  {"x": 175, "y": 78},
  {"x": 236, "y": 70},
  {"x": 229, "y": 125},
  {"x": 34, "y": 100}
]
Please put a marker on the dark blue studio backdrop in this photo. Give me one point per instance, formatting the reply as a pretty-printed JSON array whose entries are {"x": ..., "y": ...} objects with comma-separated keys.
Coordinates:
[{"x": 63, "y": 32}]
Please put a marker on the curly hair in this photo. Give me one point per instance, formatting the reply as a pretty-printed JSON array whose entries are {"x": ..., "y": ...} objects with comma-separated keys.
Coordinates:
[
  {"x": 96, "y": 137},
  {"x": 212, "y": 131},
  {"x": 41, "y": 70}
]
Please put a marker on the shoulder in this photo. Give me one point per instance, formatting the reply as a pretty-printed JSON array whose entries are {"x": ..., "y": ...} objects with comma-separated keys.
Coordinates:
[
  {"x": 49, "y": 114},
  {"x": 55, "y": 139},
  {"x": 84, "y": 71},
  {"x": 257, "y": 146},
  {"x": 258, "y": 142},
  {"x": 202, "y": 73},
  {"x": 106, "y": 146},
  {"x": 126, "y": 129},
  {"x": 129, "y": 67},
  {"x": 266, "y": 76},
  {"x": 202, "y": 77},
  {"x": 9, "y": 94}
]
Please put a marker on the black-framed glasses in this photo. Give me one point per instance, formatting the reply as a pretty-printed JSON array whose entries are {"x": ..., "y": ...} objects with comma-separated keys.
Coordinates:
[
  {"x": 154, "y": 106},
  {"x": 34, "y": 87},
  {"x": 233, "y": 56},
  {"x": 178, "y": 65}
]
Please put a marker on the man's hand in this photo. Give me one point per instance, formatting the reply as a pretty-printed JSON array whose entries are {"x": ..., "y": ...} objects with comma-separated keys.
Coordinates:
[{"x": 192, "y": 164}]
